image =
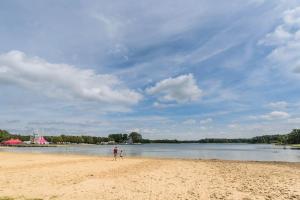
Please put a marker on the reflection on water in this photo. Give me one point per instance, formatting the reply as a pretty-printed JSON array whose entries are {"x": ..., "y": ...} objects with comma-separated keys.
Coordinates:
[{"x": 257, "y": 152}]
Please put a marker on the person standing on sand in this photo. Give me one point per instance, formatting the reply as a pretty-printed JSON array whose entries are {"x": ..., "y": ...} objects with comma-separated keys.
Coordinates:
[
  {"x": 115, "y": 151},
  {"x": 121, "y": 153}
]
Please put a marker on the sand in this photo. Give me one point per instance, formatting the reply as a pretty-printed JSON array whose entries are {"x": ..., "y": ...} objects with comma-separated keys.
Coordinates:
[{"x": 44, "y": 176}]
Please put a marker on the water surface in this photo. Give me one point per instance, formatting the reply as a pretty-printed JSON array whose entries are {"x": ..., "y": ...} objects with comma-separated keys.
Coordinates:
[{"x": 254, "y": 152}]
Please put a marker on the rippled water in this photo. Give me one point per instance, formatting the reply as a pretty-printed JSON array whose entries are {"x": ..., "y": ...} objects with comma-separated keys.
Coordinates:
[{"x": 255, "y": 152}]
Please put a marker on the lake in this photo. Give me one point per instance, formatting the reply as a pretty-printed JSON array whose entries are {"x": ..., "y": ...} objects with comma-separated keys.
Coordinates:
[{"x": 254, "y": 152}]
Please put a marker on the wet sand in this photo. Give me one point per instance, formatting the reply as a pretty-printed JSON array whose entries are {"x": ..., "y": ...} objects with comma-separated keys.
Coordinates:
[{"x": 45, "y": 176}]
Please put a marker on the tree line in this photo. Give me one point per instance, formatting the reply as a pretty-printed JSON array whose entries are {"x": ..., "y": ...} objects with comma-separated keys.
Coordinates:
[
  {"x": 133, "y": 137},
  {"x": 291, "y": 138}
]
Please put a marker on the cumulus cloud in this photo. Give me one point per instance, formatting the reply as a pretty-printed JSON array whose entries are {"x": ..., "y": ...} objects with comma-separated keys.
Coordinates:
[
  {"x": 278, "y": 104},
  {"x": 63, "y": 81},
  {"x": 286, "y": 41},
  {"x": 273, "y": 115},
  {"x": 233, "y": 125},
  {"x": 189, "y": 122},
  {"x": 294, "y": 120},
  {"x": 206, "y": 121},
  {"x": 180, "y": 89},
  {"x": 193, "y": 121},
  {"x": 163, "y": 105}
]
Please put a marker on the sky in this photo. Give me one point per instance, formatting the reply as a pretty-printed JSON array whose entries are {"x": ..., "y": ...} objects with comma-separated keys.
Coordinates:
[{"x": 168, "y": 69}]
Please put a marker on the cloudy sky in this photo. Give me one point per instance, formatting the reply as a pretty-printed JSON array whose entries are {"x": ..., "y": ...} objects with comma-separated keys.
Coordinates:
[{"x": 168, "y": 69}]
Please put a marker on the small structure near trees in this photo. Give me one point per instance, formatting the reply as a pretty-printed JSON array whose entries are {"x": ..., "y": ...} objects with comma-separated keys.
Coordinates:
[
  {"x": 37, "y": 139},
  {"x": 12, "y": 142}
]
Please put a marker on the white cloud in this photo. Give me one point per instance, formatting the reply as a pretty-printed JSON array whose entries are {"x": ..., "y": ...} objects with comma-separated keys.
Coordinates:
[
  {"x": 63, "y": 81},
  {"x": 180, "y": 89},
  {"x": 278, "y": 104},
  {"x": 193, "y": 121},
  {"x": 206, "y": 121},
  {"x": 274, "y": 115},
  {"x": 234, "y": 125},
  {"x": 286, "y": 41},
  {"x": 163, "y": 105},
  {"x": 294, "y": 120},
  {"x": 189, "y": 122}
]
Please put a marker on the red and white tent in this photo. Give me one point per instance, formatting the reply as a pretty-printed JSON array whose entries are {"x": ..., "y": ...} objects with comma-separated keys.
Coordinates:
[
  {"x": 12, "y": 142},
  {"x": 41, "y": 140}
]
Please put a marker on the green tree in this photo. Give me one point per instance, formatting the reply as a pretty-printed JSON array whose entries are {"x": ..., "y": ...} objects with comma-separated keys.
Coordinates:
[
  {"x": 118, "y": 138},
  {"x": 125, "y": 137},
  {"x": 294, "y": 137},
  {"x": 4, "y": 135},
  {"x": 57, "y": 139},
  {"x": 136, "y": 137}
]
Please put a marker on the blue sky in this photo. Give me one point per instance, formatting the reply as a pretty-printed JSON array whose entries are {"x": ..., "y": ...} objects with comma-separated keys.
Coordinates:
[{"x": 168, "y": 69}]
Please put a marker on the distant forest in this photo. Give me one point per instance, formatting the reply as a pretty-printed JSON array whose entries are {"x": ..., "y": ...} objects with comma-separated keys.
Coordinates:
[{"x": 291, "y": 138}]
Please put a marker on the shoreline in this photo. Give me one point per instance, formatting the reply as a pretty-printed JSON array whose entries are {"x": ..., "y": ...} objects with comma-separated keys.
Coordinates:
[
  {"x": 147, "y": 158},
  {"x": 67, "y": 176}
]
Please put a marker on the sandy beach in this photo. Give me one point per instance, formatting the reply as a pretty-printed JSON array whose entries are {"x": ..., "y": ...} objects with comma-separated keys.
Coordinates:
[{"x": 44, "y": 176}]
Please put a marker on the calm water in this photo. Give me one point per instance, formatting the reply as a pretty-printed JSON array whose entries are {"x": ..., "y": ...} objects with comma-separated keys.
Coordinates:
[{"x": 256, "y": 152}]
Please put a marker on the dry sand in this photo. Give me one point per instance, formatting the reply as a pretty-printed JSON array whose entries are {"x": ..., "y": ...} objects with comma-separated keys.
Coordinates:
[{"x": 44, "y": 176}]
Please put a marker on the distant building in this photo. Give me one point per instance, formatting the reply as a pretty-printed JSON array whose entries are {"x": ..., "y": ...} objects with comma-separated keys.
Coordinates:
[{"x": 109, "y": 142}]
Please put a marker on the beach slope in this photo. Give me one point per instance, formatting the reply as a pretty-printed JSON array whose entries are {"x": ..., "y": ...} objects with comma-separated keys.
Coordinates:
[{"x": 44, "y": 176}]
